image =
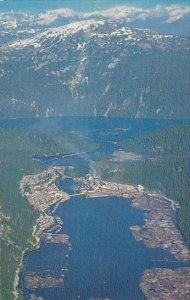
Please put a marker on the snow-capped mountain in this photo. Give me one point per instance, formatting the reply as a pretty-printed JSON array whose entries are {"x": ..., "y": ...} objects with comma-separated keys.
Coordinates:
[
  {"x": 92, "y": 65},
  {"x": 172, "y": 19}
]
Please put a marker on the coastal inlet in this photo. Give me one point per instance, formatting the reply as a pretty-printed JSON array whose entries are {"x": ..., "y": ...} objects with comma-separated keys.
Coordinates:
[{"x": 95, "y": 236}]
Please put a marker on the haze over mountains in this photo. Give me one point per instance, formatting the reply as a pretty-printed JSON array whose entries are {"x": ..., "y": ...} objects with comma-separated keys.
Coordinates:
[{"x": 123, "y": 61}]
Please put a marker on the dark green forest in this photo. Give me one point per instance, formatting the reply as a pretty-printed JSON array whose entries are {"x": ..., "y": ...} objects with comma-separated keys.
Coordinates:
[
  {"x": 165, "y": 167},
  {"x": 17, "y": 146}
]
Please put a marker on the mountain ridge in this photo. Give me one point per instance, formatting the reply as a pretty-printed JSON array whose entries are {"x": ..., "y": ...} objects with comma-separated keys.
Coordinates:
[
  {"x": 95, "y": 67},
  {"x": 158, "y": 17}
]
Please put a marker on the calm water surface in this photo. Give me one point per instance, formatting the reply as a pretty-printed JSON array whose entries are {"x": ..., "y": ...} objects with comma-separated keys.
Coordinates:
[{"x": 105, "y": 261}]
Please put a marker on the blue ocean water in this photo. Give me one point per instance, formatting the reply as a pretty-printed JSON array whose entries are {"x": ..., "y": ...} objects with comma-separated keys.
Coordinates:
[
  {"x": 106, "y": 261},
  {"x": 93, "y": 123},
  {"x": 68, "y": 185}
]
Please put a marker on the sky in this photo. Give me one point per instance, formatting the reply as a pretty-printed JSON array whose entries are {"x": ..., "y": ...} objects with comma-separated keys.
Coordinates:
[{"x": 80, "y": 5}]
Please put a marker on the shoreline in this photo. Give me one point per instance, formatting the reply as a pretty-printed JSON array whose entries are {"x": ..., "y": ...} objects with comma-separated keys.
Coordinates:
[
  {"x": 35, "y": 246},
  {"x": 160, "y": 284},
  {"x": 44, "y": 221},
  {"x": 43, "y": 186}
]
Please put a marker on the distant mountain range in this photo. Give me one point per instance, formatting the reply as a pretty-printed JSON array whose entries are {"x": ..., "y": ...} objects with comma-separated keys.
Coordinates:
[{"x": 65, "y": 63}]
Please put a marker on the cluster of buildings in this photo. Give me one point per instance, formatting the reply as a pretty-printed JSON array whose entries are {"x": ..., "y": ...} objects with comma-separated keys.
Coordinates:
[
  {"x": 158, "y": 231},
  {"x": 166, "y": 284},
  {"x": 55, "y": 238},
  {"x": 41, "y": 190}
]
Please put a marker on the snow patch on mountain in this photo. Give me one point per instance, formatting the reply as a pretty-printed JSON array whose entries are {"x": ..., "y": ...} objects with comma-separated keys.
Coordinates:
[
  {"x": 60, "y": 32},
  {"x": 177, "y": 12},
  {"x": 113, "y": 64},
  {"x": 10, "y": 23},
  {"x": 129, "y": 14},
  {"x": 51, "y": 16}
]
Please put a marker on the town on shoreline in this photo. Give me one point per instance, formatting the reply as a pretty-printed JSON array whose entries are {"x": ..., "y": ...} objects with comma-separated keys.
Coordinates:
[{"x": 158, "y": 231}]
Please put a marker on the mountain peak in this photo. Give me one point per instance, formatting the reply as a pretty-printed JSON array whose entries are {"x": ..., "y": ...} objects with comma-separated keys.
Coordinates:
[{"x": 49, "y": 17}]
